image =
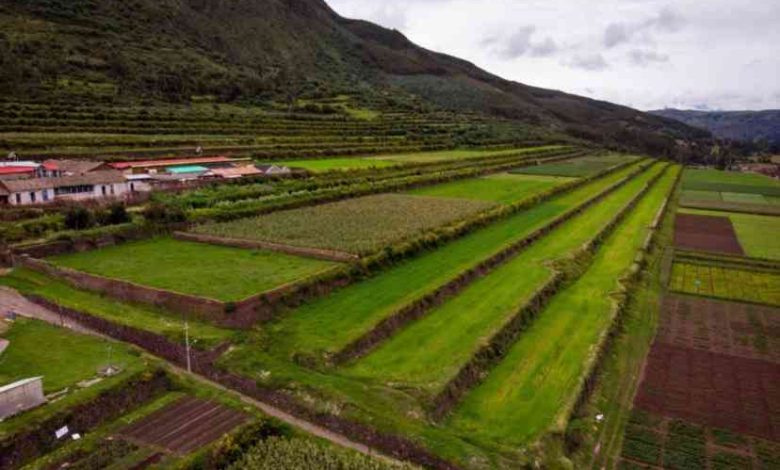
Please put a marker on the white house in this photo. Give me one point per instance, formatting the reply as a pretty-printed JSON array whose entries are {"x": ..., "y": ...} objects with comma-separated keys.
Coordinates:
[{"x": 94, "y": 185}]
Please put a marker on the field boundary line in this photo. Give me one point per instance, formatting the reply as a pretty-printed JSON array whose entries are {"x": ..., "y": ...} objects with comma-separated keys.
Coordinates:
[
  {"x": 473, "y": 373},
  {"x": 420, "y": 307}
]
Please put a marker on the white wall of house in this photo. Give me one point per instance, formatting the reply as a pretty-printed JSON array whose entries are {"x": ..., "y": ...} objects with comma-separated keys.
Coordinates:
[
  {"x": 24, "y": 198},
  {"x": 44, "y": 196}
]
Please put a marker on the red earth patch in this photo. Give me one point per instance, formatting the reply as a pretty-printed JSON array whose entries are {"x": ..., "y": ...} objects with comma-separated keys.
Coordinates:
[
  {"x": 719, "y": 390},
  {"x": 185, "y": 425},
  {"x": 706, "y": 233}
]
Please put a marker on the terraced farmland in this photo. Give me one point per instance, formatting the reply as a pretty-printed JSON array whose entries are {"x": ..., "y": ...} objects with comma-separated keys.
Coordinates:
[
  {"x": 578, "y": 168},
  {"x": 535, "y": 385},
  {"x": 503, "y": 188},
  {"x": 431, "y": 351},
  {"x": 314, "y": 327},
  {"x": 191, "y": 268}
]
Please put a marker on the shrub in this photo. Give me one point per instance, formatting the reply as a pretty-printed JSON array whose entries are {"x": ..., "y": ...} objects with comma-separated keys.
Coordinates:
[
  {"x": 159, "y": 213},
  {"x": 78, "y": 218}
]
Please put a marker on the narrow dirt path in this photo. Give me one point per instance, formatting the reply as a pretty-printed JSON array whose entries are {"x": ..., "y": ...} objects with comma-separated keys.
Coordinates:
[{"x": 11, "y": 300}]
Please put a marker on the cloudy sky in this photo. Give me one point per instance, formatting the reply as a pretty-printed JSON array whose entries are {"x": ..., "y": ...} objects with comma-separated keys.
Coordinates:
[{"x": 693, "y": 54}]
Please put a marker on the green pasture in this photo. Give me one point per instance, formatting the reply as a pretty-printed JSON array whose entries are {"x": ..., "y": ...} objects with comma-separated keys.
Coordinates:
[
  {"x": 422, "y": 157},
  {"x": 579, "y": 167},
  {"x": 330, "y": 164},
  {"x": 144, "y": 317},
  {"x": 433, "y": 349},
  {"x": 727, "y": 283},
  {"x": 62, "y": 357},
  {"x": 332, "y": 322},
  {"x": 218, "y": 272},
  {"x": 758, "y": 234},
  {"x": 503, "y": 188},
  {"x": 360, "y": 225},
  {"x": 533, "y": 388},
  {"x": 729, "y": 182}
]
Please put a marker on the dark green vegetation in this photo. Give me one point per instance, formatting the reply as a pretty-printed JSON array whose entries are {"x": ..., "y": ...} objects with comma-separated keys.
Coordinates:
[
  {"x": 222, "y": 273},
  {"x": 284, "y": 56},
  {"x": 61, "y": 357},
  {"x": 575, "y": 168},
  {"x": 362, "y": 225},
  {"x": 276, "y": 453}
]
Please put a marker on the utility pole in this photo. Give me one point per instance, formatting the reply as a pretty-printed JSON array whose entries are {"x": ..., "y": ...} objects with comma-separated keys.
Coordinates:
[{"x": 187, "y": 343}]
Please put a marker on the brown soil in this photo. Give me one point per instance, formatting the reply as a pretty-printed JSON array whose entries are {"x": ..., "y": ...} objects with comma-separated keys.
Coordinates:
[
  {"x": 706, "y": 233},
  {"x": 733, "y": 328},
  {"x": 728, "y": 392},
  {"x": 185, "y": 425}
]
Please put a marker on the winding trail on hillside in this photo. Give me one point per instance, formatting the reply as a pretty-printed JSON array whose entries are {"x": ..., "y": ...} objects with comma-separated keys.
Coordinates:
[{"x": 11, "y": 300}]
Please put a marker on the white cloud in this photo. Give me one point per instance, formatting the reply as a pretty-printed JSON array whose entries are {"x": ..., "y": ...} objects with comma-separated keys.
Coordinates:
[{"x": 642, "y": 53}]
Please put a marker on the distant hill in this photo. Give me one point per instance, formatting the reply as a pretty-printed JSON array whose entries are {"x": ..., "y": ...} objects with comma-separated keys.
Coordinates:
[
  {"x": 746, "y": 126},
  {"x": 255, "y": 50}
]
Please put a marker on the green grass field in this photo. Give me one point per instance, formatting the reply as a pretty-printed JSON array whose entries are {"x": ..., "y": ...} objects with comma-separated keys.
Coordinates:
[
  {"x": 729, "y": 182},
  {"x": 362, "y": 225},
  {"x": 422, "y": 157},
  {"x": 756, "y": 233},
  {"x": 145, "y": 317},
  {"x": 222, "y": 273},
  {"x": 579, "y": 167},
  {"x": 61, "y": 356},
  {"x": 330, "y": 164},
  {"x": 332, "y": 322},
  {"x": 531, "y": 390},
  {"x": 726, "y": 283},
  {"x": 503, "y": 188},
  {"x": 431, "y": 351}
]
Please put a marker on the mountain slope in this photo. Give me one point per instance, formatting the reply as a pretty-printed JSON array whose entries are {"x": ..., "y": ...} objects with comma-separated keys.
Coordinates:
[
  {"x": 746, "y": 126},
  {"x": 264, "y": 49}
]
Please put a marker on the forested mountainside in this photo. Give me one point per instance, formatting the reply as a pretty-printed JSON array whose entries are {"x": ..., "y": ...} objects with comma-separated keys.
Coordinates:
[
  {"x": 759, "y": 127},
  {"x": 255, "y": 51}
]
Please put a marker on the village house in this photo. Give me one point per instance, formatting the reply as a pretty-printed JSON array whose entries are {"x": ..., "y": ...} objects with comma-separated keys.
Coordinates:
[
  {"x": 21, "y": 396},
  {"x": 94, "y": 185},
  {"x": 273, "y": 170},
  {"x": 59, "y": 168},
  {"x": 12, "y": 170}
]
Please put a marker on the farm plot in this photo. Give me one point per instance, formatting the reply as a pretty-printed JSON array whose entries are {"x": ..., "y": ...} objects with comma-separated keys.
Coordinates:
[
  {"x": 422, "y": 157},
  {"x": 730, "y": 182},
  {"x": 575, "y": 168},
  {"x": 332, "y": 322},
  {"x": 185, "y": 425},
  {"x": 534, "y": 387},
  {"x": 503, "y": 188},
  {"x": 730, "y": 392},
  {"x": 726, "y": 283},
  {"x": 654, "y": 441},
  {"x": 733, "y": 328},
  {"x": 756, "y": 233},
  {"x": 361, "y": 226},
  {"x": 61, "y": 356},
  {"x": 706, "y": 233},
  {"x": 330, "y": 164},
  {"x": 430, "y": 352},
  {"x": 222, "y": 273}
]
